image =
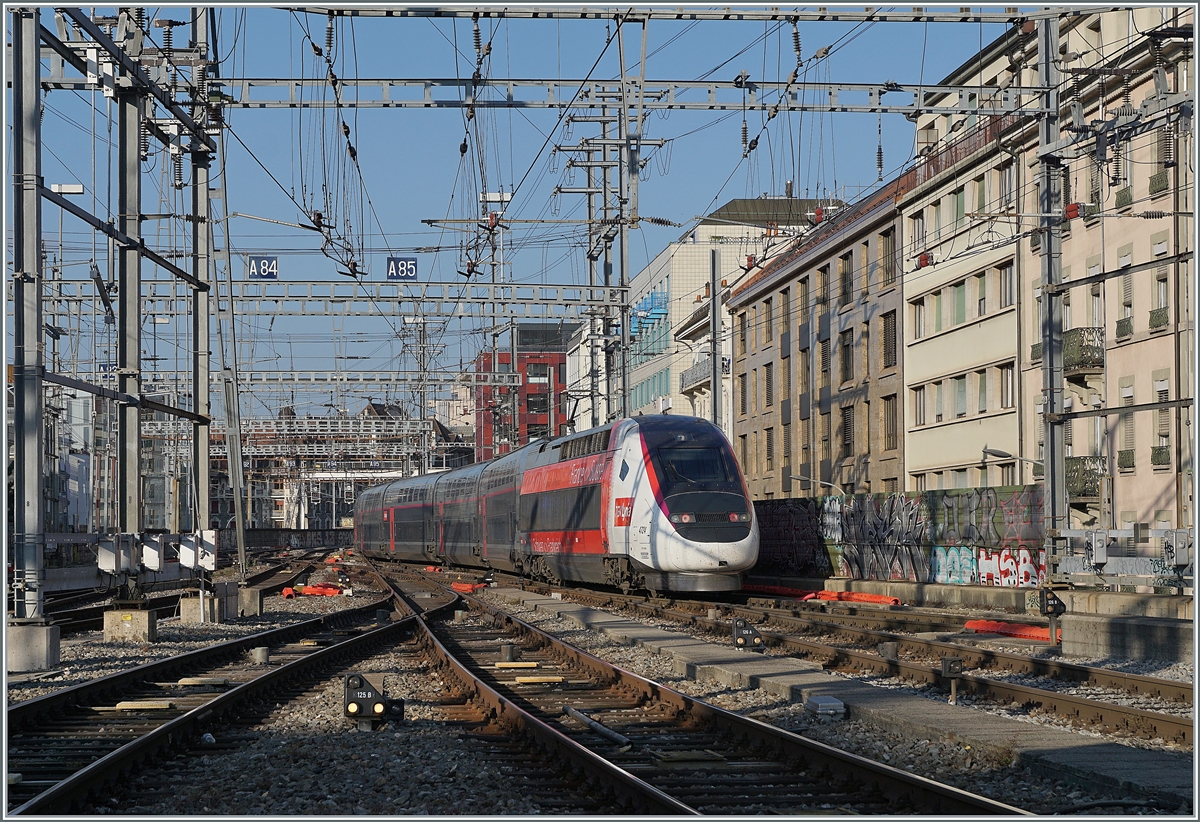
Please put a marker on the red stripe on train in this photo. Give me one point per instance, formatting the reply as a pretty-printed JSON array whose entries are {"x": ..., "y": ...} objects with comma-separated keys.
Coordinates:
[
  {"x": 567, "y": 474},
  {"x": 566, "y": 542}
]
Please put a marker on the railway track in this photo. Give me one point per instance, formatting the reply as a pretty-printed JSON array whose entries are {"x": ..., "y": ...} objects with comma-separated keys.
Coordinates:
[
  {"x": 74, "y": 741},
  {"x": 918, "y": 660},
  {"x": 659, "y": 750}
]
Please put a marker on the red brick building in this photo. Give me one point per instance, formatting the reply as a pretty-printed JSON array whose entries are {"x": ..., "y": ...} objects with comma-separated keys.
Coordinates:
[{"x": 508, "y": 417}]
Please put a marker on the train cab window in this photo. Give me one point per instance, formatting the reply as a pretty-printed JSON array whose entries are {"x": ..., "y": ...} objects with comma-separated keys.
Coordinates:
[{"x": 691, "y": 468}]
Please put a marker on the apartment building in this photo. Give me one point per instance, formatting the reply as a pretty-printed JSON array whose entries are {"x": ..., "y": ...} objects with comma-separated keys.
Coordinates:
[
  {"x": 1128, "y": 336},
  {"x": 663, "y": 295},
  {"x": 816, "y": 364},
  {"x": 970, "y": 211}
]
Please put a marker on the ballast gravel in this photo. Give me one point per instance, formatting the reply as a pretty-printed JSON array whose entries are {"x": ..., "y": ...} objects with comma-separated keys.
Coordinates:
[{"x": 989, "y": 773}]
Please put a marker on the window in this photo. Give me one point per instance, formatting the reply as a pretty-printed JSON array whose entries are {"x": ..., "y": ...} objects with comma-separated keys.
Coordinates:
[
  {"x": 960, "y": 478},
  {"x": 890, "y": 423},
  {"x": 804, "y": 306},
  {"x": 823, "y": 285},
  {"x": 1126, "y": 295},
  {"x": 847, "y": 432},
  {"x": 742, "y": 452},
  {"x": 864, "y": 343},
  {"x": 1162, "y": 393},
  {"x": 1097, "y": 306},
  {"x": 937, "y": 311},
  {"x": 1006, "y": 184},
  {"x": 960, "y": 397},
  {"x": 889, "y": 485},
  {"x": 824, "y": 363},
  {"x": 742, "y": 403},
  {"x": 846, "y": 279},
  {"x": 803, "y": 376},
  {"x": 742, "y": 333},
  {"x": 787, "y": 443},
  {"x": 769, "y": 383},
  {"x": 960, "y": 302},
  {"x": 754, "y": 391},
  {"x": 785, "y": 310},
  {"x": 754, "y": 332},
  {"x": 1127, "y": 430},
  {"x": 919, "y": 405},
  {"x": 786, "y": 372},
  {"x": 918, "y": 319},
  {"x": 937, "y": 402},
  {"x": 1008, "y": 473},
  {"x": 960, "y": 206},
  {"x": 918, "y": 232},
  {"x": 981, "y": 194},
  {"x": 754, "y": 453},
  {"x": 864, "y": 257},
  {"x": 826, "y": 420},
  {"x": 889, "y": 339},
  {"x": 768, "y": 320},
  {"x": 769, "y": 446},
  {"x": 1008, "y": 289},
  {"x": 1162, "y": 294},
  {"x": 805, "y": 440},
  {"x": 981, "y": 380},
  {"x": 919, "y": 483},
  {"x": 981, "y": 291},
  {"x": 537, "y": 403},
  {"x": 887, "y": 257},
  {"x": 846, "y": 344}
]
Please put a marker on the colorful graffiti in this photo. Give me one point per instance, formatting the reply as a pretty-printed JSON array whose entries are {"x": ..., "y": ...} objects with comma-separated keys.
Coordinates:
[{"x": 966, "y": 536}]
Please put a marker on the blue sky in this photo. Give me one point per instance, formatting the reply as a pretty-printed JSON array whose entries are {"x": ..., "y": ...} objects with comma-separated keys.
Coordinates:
[{"x": 412, "y": 169}]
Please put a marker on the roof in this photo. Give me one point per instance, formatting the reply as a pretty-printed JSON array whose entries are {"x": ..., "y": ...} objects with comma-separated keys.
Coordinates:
[{"x": 764, "y": 211}]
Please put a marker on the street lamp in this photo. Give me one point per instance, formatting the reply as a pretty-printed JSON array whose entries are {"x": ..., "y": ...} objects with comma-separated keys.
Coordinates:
[
  {"x": 819, "y": 482},
  {"x": 1004, "y": 455}
]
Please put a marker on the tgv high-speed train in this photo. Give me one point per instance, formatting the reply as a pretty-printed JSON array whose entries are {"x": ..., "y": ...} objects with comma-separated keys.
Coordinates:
[{"x": 654, "y": 502}]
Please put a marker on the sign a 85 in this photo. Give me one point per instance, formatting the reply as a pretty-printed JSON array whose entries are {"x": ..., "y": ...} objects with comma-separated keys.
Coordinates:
[
  {"x": 263, "y": 268},
  {"x": 401, "y": 268}
]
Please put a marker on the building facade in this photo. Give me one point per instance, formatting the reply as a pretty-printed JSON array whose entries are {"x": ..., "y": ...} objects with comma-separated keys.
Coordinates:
[{"x": 816, "y": 371}]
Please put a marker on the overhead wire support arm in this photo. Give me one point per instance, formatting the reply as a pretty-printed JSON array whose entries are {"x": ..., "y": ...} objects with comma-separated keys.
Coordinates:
[{"x": 134, "y": 71}]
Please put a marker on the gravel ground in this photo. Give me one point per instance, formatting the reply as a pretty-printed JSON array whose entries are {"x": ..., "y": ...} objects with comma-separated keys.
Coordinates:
[
  {"x": 86, "y": 656},
  {"x": 306, "y": 758},
  {"x": 988, "y": 773}
]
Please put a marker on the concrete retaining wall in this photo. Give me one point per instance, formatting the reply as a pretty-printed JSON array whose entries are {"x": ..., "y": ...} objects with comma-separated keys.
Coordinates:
[{"x": 1128, "y": 637}]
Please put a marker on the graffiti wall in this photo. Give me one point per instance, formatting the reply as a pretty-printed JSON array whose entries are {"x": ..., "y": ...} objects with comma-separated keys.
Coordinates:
[{"x": 962, "y": 536}]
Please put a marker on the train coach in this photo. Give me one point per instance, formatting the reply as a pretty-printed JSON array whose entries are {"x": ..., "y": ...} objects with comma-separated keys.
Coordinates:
[{"x": 654, "y": 502}]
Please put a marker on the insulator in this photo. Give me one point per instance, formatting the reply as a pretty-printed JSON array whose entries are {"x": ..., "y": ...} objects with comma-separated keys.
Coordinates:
[
  {"x": 796, "y": 41},
  {"x": 316, "y": 49},
  {"x": 1169, "y": 133},
  {"x": 329, "y": 37},
  {"x": 1153, "y": 215},
  {"x": 478, "y": 41},
  {"x": 879, "y": 161},
  {"x": 139, "y": 17},
  {"x": 745, "y": 134},
  {"x": 1125, "y": 94},
  {"x": 178, "y": 158},
  {"x": 553, "y": 161},
  {"x": 753, "y": 144},
  {"x": 462, "y": 149},
  {"x": 168, "y": 40},
  {"x": 143, "y": 142}
]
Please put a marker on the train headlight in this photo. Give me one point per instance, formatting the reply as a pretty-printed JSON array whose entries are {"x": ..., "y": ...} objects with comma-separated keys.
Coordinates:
[
  {"x": 739, "y": 517},
  {"x": 683, "y": 518}
]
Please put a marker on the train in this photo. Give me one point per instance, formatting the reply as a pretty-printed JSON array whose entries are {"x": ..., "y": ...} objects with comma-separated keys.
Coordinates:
[{"x": 653, "y": 502}]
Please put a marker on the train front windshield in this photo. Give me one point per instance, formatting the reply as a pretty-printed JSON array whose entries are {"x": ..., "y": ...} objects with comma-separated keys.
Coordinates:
[{"x": 687, "y": 468}]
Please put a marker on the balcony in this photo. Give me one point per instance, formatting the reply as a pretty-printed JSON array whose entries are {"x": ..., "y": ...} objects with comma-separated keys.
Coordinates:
[
  {"x": 1159, "y": 317},
  {"x": 1124, "y": 328},
  {"x": 1125, "y": 460},
  {"x": 1084, "y": 475},
  {"x": 1125, "y": 197},
  {"x": 1160, "y": 455},
  {"x": 1083, "y": 352},
  {"x": 699, "y": 374},
  {"x": 1159, "y": 182},
  {"x": 1035, "y": 351}
]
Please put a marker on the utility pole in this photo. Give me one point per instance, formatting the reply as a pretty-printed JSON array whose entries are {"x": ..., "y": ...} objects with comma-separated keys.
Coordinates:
[
  {"x": 32, "y": 643},
  {"x": 1056, "y": 516},
  {"x": 715, "y": 333},
  {"x": 202, "y": 261}
]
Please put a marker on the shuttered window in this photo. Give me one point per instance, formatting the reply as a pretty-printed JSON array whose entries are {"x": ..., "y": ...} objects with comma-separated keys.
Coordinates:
[
  {"x": 846, "y": 342},
  {"x": 824, "y": 363},
  {"x": 890, "y": 423},
  {"x": 1127, "y": 294},
  {"x": 960, "y": 303},
  {"x": 742, "y": 405},
  {"x": 960, "y": 396},
  {"x": 1127, "y": 431},
  {"x": 787, "y": 443},
  {"x": 1162, "y": 393},
  {"x": 769, "y": 447},
  {"x": 848, "y": 431},
  {"x": 769, "y": 383},
  {"x": 889, "y": 339},
  {"x": 919, "y": 406},
  {"x": 981, "y": 379}
]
